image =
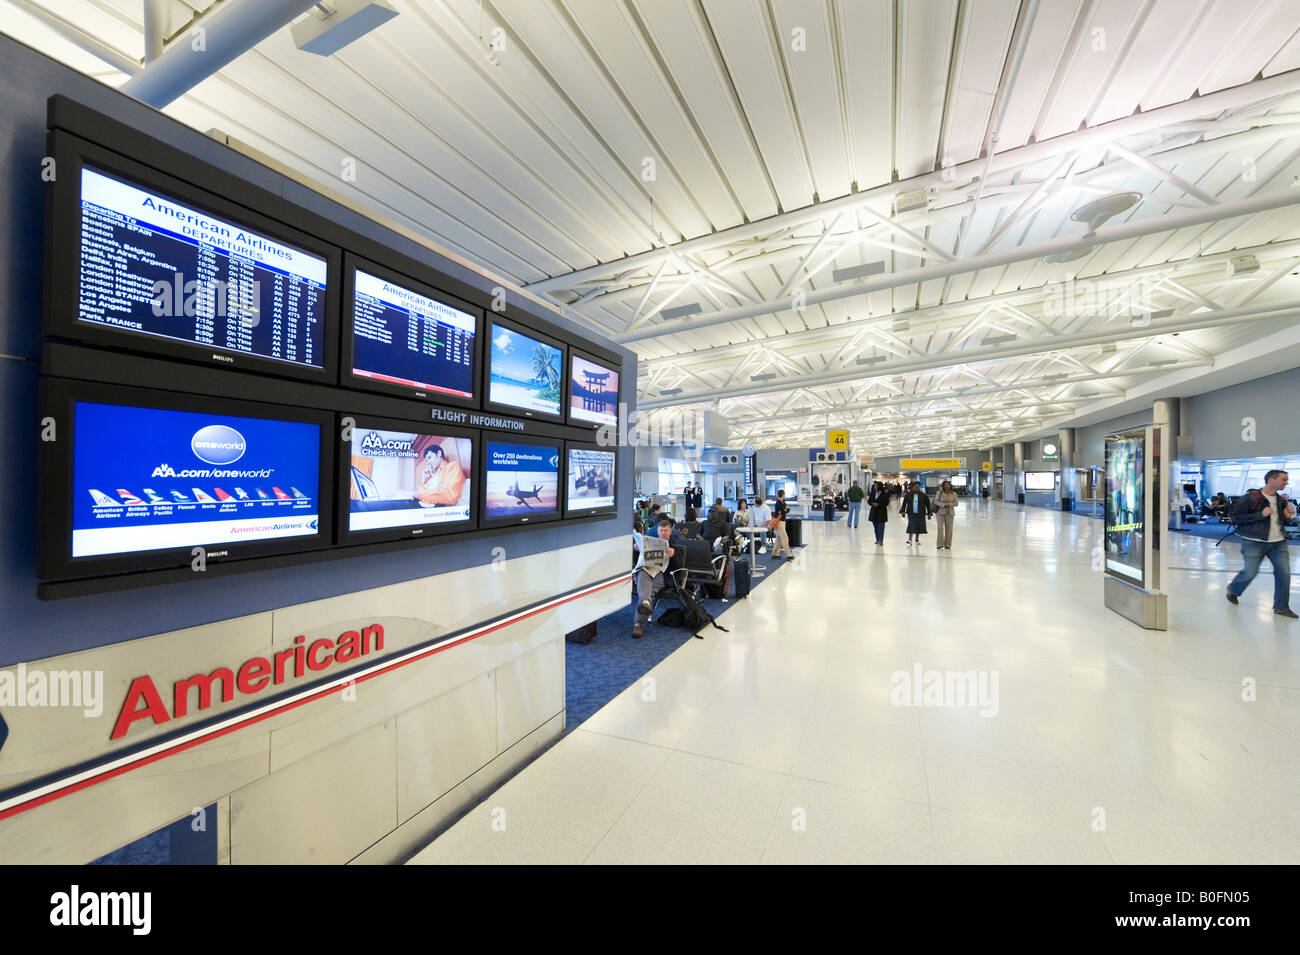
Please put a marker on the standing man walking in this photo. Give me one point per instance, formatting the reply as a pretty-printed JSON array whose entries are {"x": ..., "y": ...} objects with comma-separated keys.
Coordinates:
[
  {"x": 855, "y": 496},
  {"x": 1259, "y": 515},
  {"x": 782, "y": 538}
]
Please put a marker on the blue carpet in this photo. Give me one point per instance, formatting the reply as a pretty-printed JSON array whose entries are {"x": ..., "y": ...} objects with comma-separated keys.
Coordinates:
[{"x": 596, "y": 672}]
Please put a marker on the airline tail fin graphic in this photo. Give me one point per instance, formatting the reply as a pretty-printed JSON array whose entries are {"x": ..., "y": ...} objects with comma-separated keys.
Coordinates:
[
  {"x": 280, "y": 495},
  {"x": 179, "y": 497},
  {"x": 128, "y": 497},
  {"x": 102, "y": 499},
  {"x": 202, "y": 496},
  {"x": 154, "y": 496},
  {"x": 241, "y": 494},
  {"x": 221, "y": 495}
]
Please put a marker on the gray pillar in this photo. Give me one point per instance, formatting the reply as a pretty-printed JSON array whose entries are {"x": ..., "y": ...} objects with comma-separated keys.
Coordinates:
[
  {"x": 1019, "y": 448},
  {"x": 1066, "y": 457},
  {"x": 1008, "y": 472},
  {"x": 1164, "y": 414}
]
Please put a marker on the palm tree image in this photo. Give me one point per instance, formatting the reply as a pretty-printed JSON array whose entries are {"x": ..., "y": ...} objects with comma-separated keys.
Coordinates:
[{"x": 546, "y": 371}]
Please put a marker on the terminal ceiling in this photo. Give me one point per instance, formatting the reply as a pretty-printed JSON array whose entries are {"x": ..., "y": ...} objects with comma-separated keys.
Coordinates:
[{"x": 862, "y": 213}]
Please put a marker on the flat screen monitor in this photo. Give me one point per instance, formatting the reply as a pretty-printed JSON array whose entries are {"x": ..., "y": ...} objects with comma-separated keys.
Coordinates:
[
  {"x": 524, "y": 372},
  {"x": 405, "y": 480},
  {"x": 403, "y": 337},
  {"x": 589, "y": 480},
  {"x": 958, "y": 480},
  {"x": 593, "y": 391},
  {"x": 1126, "y": 507},
  {"x": 787, "y": 481},
  {"x": 141, "y": 261},
  {"x": 142, "y": 478},
  {"x": 521, "y": 480},
  {"x": 1040, "y": 480}
]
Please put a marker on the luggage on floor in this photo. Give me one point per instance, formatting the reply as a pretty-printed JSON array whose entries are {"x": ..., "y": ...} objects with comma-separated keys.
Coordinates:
[
  {"x": 794, "y": 531},
  {"x": 584, "y": 634},
  {"x": 740, "y": 575},
  {"x": 828, "y": 511},
  {"x": 718, "y": 591}
]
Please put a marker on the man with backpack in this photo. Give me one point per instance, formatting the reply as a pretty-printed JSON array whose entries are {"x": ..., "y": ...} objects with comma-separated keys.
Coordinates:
[
  {"x": 1259, "y": 516},
  {"x": 655, "y": 552}
]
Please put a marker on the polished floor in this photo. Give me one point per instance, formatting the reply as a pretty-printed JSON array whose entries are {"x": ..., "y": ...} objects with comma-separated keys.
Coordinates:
[{"x": 788, "y": 739}]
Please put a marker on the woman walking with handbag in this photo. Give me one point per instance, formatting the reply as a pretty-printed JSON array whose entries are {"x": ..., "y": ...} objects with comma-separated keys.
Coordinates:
[
  {"x": 878, "y": 510},
  {"x": 945, "y": 506},
  {"x": 916, "y": 508}
]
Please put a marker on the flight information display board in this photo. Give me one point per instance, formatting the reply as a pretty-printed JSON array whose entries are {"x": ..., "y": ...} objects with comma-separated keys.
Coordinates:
[
  {"x": 152, "y": 266},
  {"x": 403, "y": 338}
]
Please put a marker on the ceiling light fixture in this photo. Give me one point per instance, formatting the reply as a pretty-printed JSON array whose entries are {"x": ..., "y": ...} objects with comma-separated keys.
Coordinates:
[{"x": 1095, "y": 214}]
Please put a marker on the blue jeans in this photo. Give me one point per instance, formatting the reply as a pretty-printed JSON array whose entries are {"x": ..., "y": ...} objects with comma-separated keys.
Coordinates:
[
  {"x": 880, "y": 531},
  {"x": 855, "y": 509},
  {"x": 1254, "y": 553}
]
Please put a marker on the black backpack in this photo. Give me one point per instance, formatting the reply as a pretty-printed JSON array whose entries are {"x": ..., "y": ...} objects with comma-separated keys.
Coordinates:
[{"x": 690, "y": 615}]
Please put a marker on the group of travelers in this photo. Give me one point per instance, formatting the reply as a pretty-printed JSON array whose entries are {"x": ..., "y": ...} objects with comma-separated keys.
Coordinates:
[{"x": 917, "y": 507}]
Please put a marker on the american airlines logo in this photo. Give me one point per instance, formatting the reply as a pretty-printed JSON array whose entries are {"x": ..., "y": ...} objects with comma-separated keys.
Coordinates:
[{"x": 374, "y": 443}]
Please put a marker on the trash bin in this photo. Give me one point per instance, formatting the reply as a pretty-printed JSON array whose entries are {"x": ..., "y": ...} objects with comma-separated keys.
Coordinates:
[{"x": 828, "y": 511}]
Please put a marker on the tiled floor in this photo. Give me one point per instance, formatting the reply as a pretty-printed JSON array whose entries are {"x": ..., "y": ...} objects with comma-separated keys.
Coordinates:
[{"x": 780, "y": 741}]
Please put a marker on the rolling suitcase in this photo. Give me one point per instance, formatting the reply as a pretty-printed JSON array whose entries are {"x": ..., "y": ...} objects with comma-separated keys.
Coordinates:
[
  {"x": 740, "y": 577},
  {"x": 794, "y": 531}
]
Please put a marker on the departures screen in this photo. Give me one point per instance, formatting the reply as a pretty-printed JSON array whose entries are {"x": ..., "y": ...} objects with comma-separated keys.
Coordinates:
[
  {"x": 153, "y": 266},
  {"x": 148, "y": 479},
  {"x": 403, "y": 338}
]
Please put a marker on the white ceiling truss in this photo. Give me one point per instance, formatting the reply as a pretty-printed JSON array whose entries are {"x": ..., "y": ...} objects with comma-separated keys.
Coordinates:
[{"x": 811, "y": 212}]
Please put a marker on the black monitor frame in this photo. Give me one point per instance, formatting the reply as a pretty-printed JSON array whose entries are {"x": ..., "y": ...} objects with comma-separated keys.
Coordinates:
[
  {"x": 612, "y": 509},
  {"x": 494, "y": 320},
  {"x": 63, "y": 251},
  {"x": 568, "y": 388},
  {"x": 506, "y": 437},
  {"x": 351, "y": 263},
  {"x": 343, "y": 481},
  {"x": 55, "y": 463}
]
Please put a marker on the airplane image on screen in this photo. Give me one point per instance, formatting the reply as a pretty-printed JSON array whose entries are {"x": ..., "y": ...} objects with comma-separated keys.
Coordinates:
[
  {"x": 221, "y": 495},
  {"x": 154, "y": 496},
  {"x": 521, "y": 496},
  {"x": 241, "y": 494},
  {"x": 102, "y": 499},
  {"x": 280, "y": 495},
  {"x": 127, "y": 497},
  {"x": 179, "y": 498},
  {"x": 202, "y": 496},
  {"x": 298, "y": 494}
]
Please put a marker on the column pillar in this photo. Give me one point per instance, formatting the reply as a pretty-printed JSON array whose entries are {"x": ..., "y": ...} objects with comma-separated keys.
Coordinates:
[
  {"x": 1065, "y": 450},
  {"x": 1164, "y": 415},
  {"x": 1019, "y": 449},
  {"x": 1008, "y": 472}
]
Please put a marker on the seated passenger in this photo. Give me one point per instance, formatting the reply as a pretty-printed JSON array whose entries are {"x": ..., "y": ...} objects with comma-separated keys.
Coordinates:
[{"x": 654, "y": 554}]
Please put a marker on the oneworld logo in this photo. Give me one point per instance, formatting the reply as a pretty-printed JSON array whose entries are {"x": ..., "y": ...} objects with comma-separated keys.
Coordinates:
[
  {"x": 218, "y": 444},
  {"x": 555, "y": 460}
]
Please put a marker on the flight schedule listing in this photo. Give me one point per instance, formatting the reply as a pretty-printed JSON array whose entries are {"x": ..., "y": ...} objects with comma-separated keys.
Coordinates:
[
  {"x": 153, "y": 266},
  {"x": 404, "y": 338}
]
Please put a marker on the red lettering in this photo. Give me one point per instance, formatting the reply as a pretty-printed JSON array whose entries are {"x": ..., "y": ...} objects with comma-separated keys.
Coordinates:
[
  {"x": 254, "y": 675},
  {"x": 312, "y": 660},
  {"x": 204, "y": 682},
  {"x": 349, "y": 647},
  {"x": 299, "y": 651},
  {"x": 142, "y": 690},
  {"x": 377, "y": 632},
  {"x": 281, "y": 658}
]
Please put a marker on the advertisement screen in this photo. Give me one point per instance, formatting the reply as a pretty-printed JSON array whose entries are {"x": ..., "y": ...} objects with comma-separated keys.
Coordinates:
[
  {"x": 524, "y": 373},
  {"x": 787, "y": 481},
  {"x": 400, "y": 337},
  {"x": 521, "y": 479},
  {"x": 593, "y": 392},
  {"x": 958, "y": 480},
  {"x": 153, "y": 266},
  {"x": 591, "y": 479},
  {"x": 1126, "y": 507},
  {"x": 149, "y": 479},
  {"x": 408, "y": 479},
  {"x": 1040, "y": 480}
]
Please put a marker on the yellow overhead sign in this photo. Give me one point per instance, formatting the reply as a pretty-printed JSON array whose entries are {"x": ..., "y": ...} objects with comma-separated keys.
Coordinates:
[
  {"x": 932, "y": 464},
  {"x": 837, "y": 440},
  {"x": 987, "y": 466}
]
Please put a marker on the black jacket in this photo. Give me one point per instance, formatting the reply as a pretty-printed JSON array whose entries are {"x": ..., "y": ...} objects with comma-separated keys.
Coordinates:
[
  {"x": 924, "y": 509},
  {"x": 1249, "y": 518},
  {"x": 878, "y": 506}
]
